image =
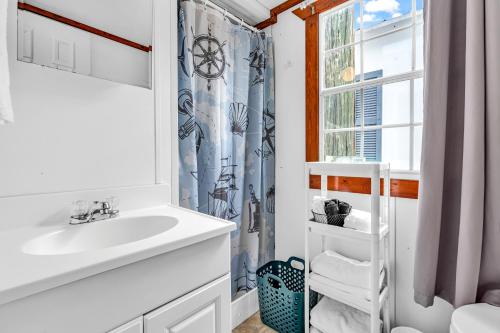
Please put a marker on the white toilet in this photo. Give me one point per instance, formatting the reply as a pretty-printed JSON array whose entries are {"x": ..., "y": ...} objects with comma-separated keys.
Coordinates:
[
  {"x": 476, "y": 318},
  {"x": 473, "y": 318}
]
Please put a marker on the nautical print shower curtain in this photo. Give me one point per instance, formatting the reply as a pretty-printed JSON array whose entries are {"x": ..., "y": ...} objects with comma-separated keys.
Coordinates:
[{"x": 226, "y": 132}]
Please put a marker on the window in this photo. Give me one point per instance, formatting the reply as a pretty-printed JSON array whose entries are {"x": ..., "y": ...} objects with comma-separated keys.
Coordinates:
[{"x": 371, "y": 89}]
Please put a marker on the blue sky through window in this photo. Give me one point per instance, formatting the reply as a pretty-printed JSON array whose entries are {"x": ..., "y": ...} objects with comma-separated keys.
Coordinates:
[{"x": 377, "y": 11}]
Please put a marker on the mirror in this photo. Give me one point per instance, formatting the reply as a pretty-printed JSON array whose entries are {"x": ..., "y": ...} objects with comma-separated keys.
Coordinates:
[{"x": 106, "y": 39}]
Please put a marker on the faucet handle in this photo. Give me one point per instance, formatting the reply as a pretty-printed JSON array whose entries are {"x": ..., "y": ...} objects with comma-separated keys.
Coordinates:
[
  {"x": 113, "y": 202},
  {"x": 105, "y": 205}
]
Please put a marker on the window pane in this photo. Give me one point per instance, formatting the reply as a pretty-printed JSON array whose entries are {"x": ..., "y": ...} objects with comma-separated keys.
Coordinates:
[
  {"x": 379, "y": 14},
  {"x": 395, "y": 147},
  {"x": 395, "y": 103},
  {"x": 339, "y": 28},
  {"x": 418, "y": 101},
  {"x": 417, "y": 147},
  {"x": 341, "y": 144},
  {"x": 339, "y": 66},
  {"x": 419, "y": 47},
  {"x": 390, "y": 53},
  {"x": 420, "y": 5},
  {"x": 339, "y": 110}
]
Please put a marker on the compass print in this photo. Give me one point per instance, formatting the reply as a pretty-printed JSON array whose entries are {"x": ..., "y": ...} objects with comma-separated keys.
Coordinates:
[
  {"x": 267, "y": 148},
  {"x": 268, "y": 132},
  {"x": 209, "y": 60}
]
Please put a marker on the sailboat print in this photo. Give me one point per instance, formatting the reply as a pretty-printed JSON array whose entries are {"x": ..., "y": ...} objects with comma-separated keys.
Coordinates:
[{"x": 221, "y": 199}]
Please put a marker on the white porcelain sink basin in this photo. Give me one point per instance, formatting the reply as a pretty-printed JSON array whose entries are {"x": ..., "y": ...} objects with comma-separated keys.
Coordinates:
[{"x": 99, "y": 235}]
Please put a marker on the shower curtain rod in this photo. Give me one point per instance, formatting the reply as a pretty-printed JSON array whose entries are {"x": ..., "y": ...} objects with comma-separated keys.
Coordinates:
[{"x": 226, "y": 13}]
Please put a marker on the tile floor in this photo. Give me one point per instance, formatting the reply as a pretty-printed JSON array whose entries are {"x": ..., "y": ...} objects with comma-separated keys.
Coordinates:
[{"x": 253, "y": 325}]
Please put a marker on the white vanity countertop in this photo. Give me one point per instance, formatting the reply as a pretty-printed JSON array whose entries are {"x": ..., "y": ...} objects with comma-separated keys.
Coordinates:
[{"x": 24, "y": 274}]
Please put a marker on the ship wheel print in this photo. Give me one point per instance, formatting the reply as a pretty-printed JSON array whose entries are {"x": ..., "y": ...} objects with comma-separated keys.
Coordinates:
[{"x": 209, "y": 60}]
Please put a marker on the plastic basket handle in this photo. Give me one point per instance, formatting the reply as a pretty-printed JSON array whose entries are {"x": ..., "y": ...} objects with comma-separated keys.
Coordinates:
[{"x": 301, "y": 261}]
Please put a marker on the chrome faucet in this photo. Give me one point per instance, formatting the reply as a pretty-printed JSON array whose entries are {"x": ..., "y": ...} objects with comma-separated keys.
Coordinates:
[{"x": 98, "y": 210}]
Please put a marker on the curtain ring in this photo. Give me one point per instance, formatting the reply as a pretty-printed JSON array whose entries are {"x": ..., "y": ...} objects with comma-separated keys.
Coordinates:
[
  {"x": 241, "y": 23},
  {"x": 205, "y": 5},
  {"x": 225, "y": 13}
]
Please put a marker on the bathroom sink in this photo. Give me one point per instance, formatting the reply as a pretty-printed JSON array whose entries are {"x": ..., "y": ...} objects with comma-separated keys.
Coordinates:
[{"x": 99, "y": 235}]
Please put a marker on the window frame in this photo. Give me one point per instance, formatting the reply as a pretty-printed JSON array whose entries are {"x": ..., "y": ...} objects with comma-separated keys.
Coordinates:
[{"x": 359, "y": 86}]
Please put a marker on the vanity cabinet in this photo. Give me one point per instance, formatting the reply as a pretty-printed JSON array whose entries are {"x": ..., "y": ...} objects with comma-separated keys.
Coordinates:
[
  {"x": 179, "y": 290},
  {"x": 203, "y": 310},
  {"x": 206, "y": 310},
  {"x": 134, "y": 326}
]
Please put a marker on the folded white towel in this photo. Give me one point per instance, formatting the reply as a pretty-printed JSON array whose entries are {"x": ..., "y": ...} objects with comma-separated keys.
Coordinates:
[
  {"x": 330, "y": 316},
  {"x": 359, "y": 220},
  {"x": 313, "y": 330},
  {"x": 5, "y": 102},
  {"x": 347, "y": 290},
  {"x": 318, "y": 205},
  {"x": 342, "y": 269}
]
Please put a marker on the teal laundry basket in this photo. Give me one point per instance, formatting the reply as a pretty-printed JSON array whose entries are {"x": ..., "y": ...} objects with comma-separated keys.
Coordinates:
[{"x": 281, "y": 295}]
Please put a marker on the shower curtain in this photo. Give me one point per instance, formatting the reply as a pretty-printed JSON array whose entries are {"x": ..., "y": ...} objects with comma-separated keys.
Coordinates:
[{"x": 226, "y": 132}]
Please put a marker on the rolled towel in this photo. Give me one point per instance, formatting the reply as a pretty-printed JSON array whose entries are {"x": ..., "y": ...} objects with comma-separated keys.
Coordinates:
[
  {"x": 331, "y": 208},
  {"x": 313, "y": 330},
  {"x": 330, "y": 316},
  {"x": 318, "y": 205},
  {"x": 359, "y": 220},
  {"x": 345, "y": 288},
  {"x": 342, "y": 269}
]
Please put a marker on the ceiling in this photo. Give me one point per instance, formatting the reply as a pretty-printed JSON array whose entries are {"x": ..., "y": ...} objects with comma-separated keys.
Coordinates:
[
  {"x": 252, "y": 11},
  {"x": 270, "y": 3}
]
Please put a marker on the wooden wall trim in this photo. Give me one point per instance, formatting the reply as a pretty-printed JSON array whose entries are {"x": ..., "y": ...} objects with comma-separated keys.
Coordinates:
[
  {"x": 82, "y": 26},
  {"x": 400, "y": 188},
  {"x": 312, "y": 89},
  {"x": 267, "y": 23},
  {"x": 317, "y": 7},
  {"x": 273, "y": 15}
]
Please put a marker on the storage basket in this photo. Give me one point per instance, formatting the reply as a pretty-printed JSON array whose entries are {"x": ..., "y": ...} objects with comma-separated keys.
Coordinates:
[
  {"x": 281, "y": 295},
  {"x": 337, "y": 220}
]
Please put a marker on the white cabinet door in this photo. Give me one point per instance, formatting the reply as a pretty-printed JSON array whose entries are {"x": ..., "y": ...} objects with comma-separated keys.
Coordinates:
[
  {"x": 134, "y": 326},
  {"x": 205, "y": 310}
]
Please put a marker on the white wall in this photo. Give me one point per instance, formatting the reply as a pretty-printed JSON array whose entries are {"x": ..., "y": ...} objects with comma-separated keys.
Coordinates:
[
  {"x": 289, "y": 40},
  {"x": 76, "y": 134}
]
